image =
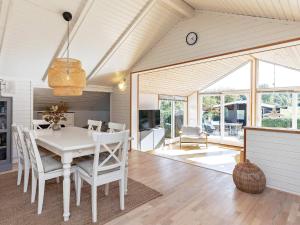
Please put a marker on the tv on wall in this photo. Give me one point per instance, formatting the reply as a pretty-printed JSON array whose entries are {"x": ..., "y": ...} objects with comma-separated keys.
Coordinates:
[{"x": 149, "y": 119}]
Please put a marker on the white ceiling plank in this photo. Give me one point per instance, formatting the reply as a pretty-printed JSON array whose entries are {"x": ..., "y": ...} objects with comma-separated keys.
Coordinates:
[
  {"x": 181, "y": 7},
  {"x": 186, "y": 79},
  {"x": 75, "y": 25},
  {"x": 4, "y": 11},
  {"x": 274, "y": 9},
  {"x": 146, "y": 9},
  {"x": 34, "y": 30}
]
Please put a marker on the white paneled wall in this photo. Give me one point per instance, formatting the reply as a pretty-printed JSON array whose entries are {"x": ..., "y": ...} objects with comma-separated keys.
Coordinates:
[
  {"x": 192, "y": 109},
  {"x": 218, "y": 33},
  {"x": 278, "y": 155},
  {"x": 21, "y": 92},
  {"x": 120, "y": 105},
  {"x": 148, "y": 101}
]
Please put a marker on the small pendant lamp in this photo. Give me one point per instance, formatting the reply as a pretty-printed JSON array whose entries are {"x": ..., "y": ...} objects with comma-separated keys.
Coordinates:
[{"x": 66, "y": 76}]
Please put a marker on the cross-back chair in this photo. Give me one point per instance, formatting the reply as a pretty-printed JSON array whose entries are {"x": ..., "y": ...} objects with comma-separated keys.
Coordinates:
[
  {"x": 94, "y": 125},
  {"x": 99, "y": 171},
  {"x": 43, "y": 168},
  {"x": 23, "y": 157}
]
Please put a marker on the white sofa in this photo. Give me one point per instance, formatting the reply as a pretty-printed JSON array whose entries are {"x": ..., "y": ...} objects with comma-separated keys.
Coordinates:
[{"x": 193, "y": 135}]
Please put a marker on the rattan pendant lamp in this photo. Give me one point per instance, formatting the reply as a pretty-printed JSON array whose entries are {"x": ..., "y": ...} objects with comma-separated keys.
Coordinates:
[{"x": 66, "y": 76}]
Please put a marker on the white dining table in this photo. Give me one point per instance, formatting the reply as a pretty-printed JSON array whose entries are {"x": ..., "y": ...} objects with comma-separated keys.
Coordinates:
[{"x": 68, "y": 143}]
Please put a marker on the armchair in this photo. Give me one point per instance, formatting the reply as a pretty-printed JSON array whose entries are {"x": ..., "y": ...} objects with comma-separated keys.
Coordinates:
[{"x": 192, "y": 135}]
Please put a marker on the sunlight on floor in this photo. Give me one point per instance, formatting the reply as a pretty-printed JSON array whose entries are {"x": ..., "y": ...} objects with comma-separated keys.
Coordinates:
[
  {"x": 216, "y": 160},
  {"x": 216, "y": 157}
]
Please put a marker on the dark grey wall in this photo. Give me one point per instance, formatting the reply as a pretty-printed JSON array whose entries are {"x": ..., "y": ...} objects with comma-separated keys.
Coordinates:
[{"x": 91, "y": 105}]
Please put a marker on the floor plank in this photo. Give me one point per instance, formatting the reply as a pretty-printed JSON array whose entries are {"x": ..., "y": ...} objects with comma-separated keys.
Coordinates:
[
  {"x": 217, "y": 157},
  {"x": 195, "y": 195}
]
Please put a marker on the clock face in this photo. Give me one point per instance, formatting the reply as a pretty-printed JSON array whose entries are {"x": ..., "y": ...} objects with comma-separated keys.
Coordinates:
[{"x": 191, "y": 38}]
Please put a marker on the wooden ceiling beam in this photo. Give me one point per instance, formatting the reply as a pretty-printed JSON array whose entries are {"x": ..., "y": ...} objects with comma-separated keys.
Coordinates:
[
  {"x": 122, "y": 38},
  {"x": 180, "y": 7},
  {"x": 74, "y": 27}
]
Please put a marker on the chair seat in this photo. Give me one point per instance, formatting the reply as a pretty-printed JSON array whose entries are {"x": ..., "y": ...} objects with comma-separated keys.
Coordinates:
[
  {"x": 50, "y": 164},
  {"x": 44, "y": 152},
  {"x": 192, "y": 138},
  {"x": 87, "y": 166}
]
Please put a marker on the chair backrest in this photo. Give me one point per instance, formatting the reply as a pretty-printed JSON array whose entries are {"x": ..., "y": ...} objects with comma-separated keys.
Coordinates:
[
  {"x": 116, "y": 144},
  {"x": 18, "y": 137},
  {"x": 116, "y": 127},
  {"x": 190, "y": 130},
  {"x": 37, "y": 124},
  {"x": 34, "y": 155},
  {"x": 94, "y": 125}
]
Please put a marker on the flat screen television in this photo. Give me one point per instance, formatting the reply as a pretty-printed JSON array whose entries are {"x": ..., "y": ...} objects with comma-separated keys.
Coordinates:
[{"x": 149, "y": 119}]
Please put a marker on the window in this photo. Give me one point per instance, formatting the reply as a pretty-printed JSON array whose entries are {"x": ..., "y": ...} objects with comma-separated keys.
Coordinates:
[
  {"x": 173, "y": 114},
  {"x": 278, "y": 102},
  {"x": 271, "y": 75},
  {"x": 282, "y": 103},
  {"x": 238, "y": 79},
  {"x": 235, "y": 113},
  {"x": 225, "y": 106},
  {"x": 165, "y": 107},
  {"x": 211, "y": 115}
]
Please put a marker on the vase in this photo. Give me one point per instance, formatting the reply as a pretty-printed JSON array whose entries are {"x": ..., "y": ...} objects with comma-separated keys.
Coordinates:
[{"x": 55, "y": 127}]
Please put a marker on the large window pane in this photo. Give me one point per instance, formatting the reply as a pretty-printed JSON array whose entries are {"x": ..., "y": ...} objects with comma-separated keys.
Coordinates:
[
  {"x": 211, "y": 114},
  {"x": 283, "y": 76},
  {"x": 235, "y": 115},
  {"x": 240, "y": 76},
  {"x": 282, "y": 104},
  {"x": 166, "y": 116},
  {"x": 179, "y": 117}
]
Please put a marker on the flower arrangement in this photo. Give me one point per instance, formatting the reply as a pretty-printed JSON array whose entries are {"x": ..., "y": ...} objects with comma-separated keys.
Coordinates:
[{"x": 54, "y": 114}]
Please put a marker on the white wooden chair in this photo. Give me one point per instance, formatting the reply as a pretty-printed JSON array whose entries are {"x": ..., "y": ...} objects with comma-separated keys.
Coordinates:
[
  {"x": 37, "y": 124},
  {"x": 99, "y": 171},
  {"x": 94, "y": 125},
  {"x": 112, "y": 128},
  {"x": 116, "y": 127},
  {"x": 23, "y": 157},
  {"x": 43, "y": 168}
]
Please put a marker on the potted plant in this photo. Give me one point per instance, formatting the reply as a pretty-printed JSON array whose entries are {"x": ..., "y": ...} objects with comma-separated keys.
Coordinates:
[{"x": 55, "y": 114}]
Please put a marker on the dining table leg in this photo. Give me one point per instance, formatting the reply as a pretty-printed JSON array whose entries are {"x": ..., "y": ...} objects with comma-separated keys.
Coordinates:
[{"x": 66, "y": 161}]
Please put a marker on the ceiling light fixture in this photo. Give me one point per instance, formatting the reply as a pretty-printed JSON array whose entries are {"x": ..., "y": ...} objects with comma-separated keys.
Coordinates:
[
  {"x": 122, "y": 85},
  {"x": 66, "y": 76}
]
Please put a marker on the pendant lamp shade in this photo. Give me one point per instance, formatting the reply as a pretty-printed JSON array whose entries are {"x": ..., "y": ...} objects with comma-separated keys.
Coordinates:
[{"x": 66, "y": 77}]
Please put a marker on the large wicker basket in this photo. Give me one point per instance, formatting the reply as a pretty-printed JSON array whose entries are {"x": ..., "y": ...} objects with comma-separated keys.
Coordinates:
[{"x": 249, "y": 178}]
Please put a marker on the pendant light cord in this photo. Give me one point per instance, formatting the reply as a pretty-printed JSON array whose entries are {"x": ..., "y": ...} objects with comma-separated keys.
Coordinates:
[{"x": 68, "y": 41}]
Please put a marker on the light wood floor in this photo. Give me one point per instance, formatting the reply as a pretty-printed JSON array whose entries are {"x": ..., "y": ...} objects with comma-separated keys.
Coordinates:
[
  {"x": 197, "y": 196},
  {"x": 217, "y": 157}
]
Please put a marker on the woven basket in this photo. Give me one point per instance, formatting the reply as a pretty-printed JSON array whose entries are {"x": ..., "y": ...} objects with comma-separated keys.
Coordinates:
[{"x": 249, "y": 178}]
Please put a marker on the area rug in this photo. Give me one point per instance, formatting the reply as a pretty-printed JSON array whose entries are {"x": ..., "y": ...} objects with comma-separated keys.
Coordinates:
[{"x": 16, "y": 209}]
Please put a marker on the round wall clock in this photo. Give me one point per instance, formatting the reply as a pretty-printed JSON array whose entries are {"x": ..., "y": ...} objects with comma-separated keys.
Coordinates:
[{"x": 191, "y": 38}]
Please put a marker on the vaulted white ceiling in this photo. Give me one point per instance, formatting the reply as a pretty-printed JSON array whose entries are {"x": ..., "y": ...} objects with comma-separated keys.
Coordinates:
[
  {"x": 186, "y": 79},
  {"x": 274, "y": 9},
  {"x": 108, "y": 36}
]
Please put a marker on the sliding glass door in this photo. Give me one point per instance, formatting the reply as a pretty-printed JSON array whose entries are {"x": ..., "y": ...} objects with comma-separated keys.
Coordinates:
[
  {"x": 179, "y": 116},
  {"x": 211, "y": 115},
  {"x": 165, "y": 107},
  {"x": 224, "y": 116},
  {"x": 172, "y": 115},
  {"x": 235, "y": 116}
]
